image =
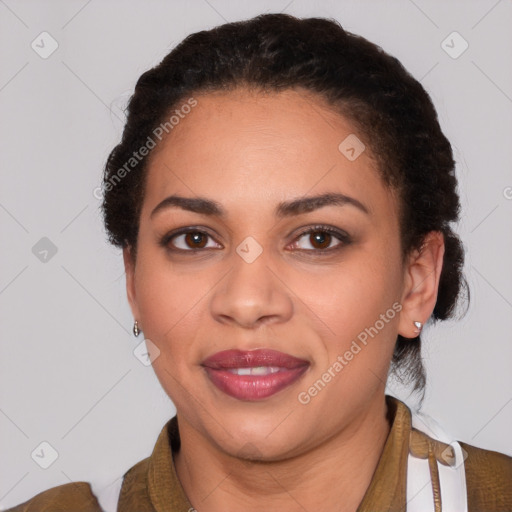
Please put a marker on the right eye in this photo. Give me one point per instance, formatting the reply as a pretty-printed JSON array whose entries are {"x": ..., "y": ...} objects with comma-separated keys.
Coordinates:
[{"x": 187, "y": 240}]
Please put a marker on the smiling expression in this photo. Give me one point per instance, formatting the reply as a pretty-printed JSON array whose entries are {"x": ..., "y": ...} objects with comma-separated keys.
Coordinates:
[{"x": 256, "y": 232}]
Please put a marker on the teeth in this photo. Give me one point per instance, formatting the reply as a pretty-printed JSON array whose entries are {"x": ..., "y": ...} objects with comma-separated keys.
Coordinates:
[
  {"x": 258, "y": 370},
  {"x": 261, "y": 370}
]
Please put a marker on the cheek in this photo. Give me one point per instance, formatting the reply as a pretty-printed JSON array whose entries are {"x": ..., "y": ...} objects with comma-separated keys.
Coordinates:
[
  {"x": 171, "y": 313},
  {"x": 169, "y": 303},
  {"x": 351, "y": 296},
  {"x": 359, "y": 305}
]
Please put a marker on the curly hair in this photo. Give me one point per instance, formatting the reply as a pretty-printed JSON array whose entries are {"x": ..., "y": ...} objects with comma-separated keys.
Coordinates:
[{"x": 359, "y": 80}]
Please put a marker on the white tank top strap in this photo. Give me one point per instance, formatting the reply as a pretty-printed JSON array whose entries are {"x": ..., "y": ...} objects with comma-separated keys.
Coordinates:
[{"x": 436, "y": 478}]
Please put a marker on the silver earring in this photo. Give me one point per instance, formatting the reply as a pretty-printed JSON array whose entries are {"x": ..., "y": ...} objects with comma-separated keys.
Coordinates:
[
  {"x": 418, "y": 326},
  {"x": 136, "y": 329}
]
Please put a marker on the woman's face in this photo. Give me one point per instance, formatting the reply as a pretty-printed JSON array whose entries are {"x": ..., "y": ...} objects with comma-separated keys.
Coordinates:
[{"x": 323, "y": 307}]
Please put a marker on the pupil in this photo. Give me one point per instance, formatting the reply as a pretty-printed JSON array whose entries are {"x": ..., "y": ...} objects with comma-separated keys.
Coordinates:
[
  {"x": 321, "y": 238},
  {"x": 195, "y": 239}
]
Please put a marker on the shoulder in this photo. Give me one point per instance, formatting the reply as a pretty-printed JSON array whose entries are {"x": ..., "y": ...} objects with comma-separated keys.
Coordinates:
[
  {"x": 134, "y": 492},
  {"x": 128, "y": 492},
  {"x": 76, "y": 496},
  {"x": 487, "y": 475},
  {"x": 488, "y": 478},
  {"x": 79, "y": 496}
]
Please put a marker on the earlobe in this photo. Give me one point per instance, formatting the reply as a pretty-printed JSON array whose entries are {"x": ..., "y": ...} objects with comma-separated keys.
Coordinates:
[{"x": 421, "y": 284}]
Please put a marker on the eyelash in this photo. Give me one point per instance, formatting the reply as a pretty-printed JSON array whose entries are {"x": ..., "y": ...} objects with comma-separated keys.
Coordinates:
[{"x": 343, "y": 237}]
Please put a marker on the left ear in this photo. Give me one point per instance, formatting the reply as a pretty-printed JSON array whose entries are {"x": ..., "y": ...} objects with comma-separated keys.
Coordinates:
[{"x": 421, "y": 283}]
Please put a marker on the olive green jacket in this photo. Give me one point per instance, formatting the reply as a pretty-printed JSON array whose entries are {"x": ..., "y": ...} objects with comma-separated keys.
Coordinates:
[{"x": 152, "y": 485}]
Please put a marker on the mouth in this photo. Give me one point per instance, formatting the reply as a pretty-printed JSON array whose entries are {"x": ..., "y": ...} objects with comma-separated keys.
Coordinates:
[{"x": 253, "y": 375}]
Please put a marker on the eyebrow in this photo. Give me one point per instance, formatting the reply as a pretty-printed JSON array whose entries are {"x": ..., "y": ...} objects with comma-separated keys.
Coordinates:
[{"x": 298, "y": 206}]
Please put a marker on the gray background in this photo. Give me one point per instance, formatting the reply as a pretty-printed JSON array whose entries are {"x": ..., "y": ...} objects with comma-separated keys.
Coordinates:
[{"x": 68, "y": 373}]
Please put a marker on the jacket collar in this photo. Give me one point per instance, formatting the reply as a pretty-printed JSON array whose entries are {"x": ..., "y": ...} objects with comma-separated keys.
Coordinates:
[{"x": 158, "y": 482}]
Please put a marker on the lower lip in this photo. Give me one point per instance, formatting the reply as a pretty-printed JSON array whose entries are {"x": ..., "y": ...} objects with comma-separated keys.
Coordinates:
[{"x": 254, "y": 387}]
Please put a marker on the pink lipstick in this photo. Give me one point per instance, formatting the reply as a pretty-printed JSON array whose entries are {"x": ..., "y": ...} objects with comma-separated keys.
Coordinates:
[{"x": 253, "y": 375}]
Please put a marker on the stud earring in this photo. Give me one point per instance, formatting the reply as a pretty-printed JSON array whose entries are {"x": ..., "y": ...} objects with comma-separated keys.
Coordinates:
[
  {"x": 136, "y": 329},
  {"x": 418, "y": 326}
]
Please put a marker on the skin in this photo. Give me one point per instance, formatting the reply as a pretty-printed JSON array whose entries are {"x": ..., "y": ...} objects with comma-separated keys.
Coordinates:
[{"x": 248, "y": 151}]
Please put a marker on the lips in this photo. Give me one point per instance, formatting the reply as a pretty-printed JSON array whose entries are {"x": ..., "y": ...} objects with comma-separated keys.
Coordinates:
[{"x": 253, "y": 375}]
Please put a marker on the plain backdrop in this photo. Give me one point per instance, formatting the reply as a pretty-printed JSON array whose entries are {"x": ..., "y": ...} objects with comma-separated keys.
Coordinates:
[{"x": 68, "y": 374}]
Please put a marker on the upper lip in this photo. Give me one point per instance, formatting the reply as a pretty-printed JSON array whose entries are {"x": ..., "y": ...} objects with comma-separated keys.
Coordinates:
[{"x": 252, "y": 358}]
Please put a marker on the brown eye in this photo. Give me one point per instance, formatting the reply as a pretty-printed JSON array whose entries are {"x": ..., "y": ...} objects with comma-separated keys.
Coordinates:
[
  {"x": 195, "y": 239},
  {"x": 188, "y": 241},
  {"x": 320, "y": 239}
]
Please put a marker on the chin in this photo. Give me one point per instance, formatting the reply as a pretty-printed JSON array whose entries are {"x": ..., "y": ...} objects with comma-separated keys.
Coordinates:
[{"x": 256, "y": 438}]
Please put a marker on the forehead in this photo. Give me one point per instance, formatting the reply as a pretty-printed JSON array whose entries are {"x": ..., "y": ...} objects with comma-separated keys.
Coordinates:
[{"x": 261, "y": 148}]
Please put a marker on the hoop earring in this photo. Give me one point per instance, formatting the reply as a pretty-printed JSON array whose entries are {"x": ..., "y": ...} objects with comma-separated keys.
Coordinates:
[
  {"x": 136, "y": 330},
  {"x": 418, "y": 326}
]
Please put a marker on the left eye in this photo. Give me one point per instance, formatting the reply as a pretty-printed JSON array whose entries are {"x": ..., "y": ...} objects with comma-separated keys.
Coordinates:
[{"x": 320, "y": 239}]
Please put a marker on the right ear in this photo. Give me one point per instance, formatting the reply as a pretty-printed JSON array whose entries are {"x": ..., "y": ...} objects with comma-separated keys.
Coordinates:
[{"x": 129, "y": 268}]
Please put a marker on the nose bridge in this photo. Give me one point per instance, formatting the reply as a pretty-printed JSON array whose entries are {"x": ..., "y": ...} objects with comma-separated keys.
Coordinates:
[{"x": 251, "y": 293}]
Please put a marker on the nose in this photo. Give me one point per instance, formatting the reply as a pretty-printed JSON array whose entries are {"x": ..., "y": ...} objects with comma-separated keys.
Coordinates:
[{"x": 251, "y": 294}]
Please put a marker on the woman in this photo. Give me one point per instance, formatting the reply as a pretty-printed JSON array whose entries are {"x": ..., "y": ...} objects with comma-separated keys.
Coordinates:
[{"x": 283, "y": 196}]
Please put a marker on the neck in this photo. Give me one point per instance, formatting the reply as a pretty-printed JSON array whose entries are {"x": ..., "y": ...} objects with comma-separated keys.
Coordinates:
[{"x": 217, "y": 482}]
